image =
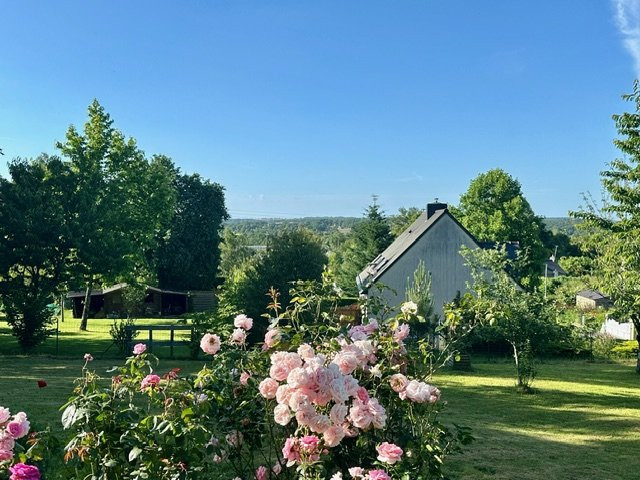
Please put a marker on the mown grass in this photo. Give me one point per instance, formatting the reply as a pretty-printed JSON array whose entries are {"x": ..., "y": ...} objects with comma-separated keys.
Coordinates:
[
  {"x": 73, "y": 343},
  {"x": 583, "y": 422}
]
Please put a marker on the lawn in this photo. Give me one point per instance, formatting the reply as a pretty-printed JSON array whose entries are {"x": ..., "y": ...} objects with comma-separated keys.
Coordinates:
[
  {"x": 584, "y": 422},
  {"x": 71, "y": 342}
]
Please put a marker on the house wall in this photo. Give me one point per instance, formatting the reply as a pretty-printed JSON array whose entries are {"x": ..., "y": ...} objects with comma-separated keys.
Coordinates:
[
  {"x": 584, "y": 303},
  {"x": 439, "y": 249}
]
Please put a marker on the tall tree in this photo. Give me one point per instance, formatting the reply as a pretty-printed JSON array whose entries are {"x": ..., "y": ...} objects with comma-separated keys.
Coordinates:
[
  {"x": 494, "y": 209},
  {"x": 35, "y": 242},
  {"x": 616, "y": 227},
  {"x": 122, "y": 203},
  {"x": 403, "y": 219},
  {"x": 368, "y": 239},
  {"x": 234, "y": 251},
  {"x": 292, "y": 254},
  {"x": 189, "y": 256}
]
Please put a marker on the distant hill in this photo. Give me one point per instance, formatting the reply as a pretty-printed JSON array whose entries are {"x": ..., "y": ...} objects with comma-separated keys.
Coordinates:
[
  {"x": 258, "y": 230},
  {"x": 564, "y": 225}
]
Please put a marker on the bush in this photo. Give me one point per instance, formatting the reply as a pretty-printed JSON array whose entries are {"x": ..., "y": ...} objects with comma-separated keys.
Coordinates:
[
  {"x": 626, "y": 349},
  {"x": 320, "y": 398},
  {"x": 122, "y": 337},
  {"x": 603, "y": 345}
]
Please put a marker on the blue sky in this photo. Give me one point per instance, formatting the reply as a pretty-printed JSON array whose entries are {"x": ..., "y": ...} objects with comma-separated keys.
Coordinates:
[{"x": 307, "y": 108}]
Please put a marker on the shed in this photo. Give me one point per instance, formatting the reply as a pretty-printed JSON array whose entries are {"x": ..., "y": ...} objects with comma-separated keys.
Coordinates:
[
  {"x": 591, "y": 299},
  {"x": 552, "y": 269}
]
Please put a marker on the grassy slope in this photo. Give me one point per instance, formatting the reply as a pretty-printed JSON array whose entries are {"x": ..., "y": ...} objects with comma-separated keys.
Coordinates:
[{"x": 583, "y": 423}]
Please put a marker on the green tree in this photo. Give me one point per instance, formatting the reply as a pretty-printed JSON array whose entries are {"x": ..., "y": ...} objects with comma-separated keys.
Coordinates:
[
  {"x": 368, "y": 239},
  {"x": 403, "y": 219},
  {"x": 189, "y": 256},
  {"x": 616, "y": 227},
  {"x": 234, "y": 251},
  {"x": 291, "y": 255},
  {"x": 494, "y": 209},
  {"x": 122, "y": 203},
  {"x": 35, "y": 242}
]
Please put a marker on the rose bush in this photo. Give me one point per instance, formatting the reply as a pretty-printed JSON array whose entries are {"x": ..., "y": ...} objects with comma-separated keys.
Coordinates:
[
  {"x": 18, "y": 445},
  {"x": 320, "y": 398}
]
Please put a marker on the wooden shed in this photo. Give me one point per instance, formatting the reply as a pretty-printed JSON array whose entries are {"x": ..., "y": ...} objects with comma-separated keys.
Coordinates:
[{"x": 591, "y": 299}]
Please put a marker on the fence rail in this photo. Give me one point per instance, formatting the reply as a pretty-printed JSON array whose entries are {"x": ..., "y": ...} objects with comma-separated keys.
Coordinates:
[{"x": 171, "y": 343}]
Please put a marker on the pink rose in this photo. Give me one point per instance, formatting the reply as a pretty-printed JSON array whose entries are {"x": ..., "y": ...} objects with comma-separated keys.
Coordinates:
[
  {"x": 234, "y": 438},
  {"x": 139, "y": 348},
  {"x": 5, "y": 414},
  {"x": 6, "y": 440},
  {"x": 297, "y": 378},
  {"x": 290, "y": 451},
  {"x": 357, "y": 472},
  {"x": 239, "y": 336},
  {"x": 261, "y": 473},
  {"x": 242, "y": 321},
  {"x": 389, "y": 452},
  {"x": 338, "y": 413},
  {"x": 401, "y": 333},
  {"x": 306, "y": 351},
  {"x": 150, "y": 381},
  {"x": 271, "y": 338},
  {"x": 378, "y": 475},
  {"x": 5, "y": 455},
  {"x": 363, "y": 395},
  {"x": 282, "y": 415},
  {"x": 268, "y": 388},
  {"x": 398, "y": 382},
  {"x": 333, "y": 435},
  {"x": 88, "y": 357},
  {"x": 19, "y": 426},
  {"x": 210, "y": 343},
  {"x": 347, "y": 362},
  {"x": 421, "y": 392},
  {"x": 320, "y": 423},
  {"x": 20, "y": 471},
  {"x": 244, "y": 378}
]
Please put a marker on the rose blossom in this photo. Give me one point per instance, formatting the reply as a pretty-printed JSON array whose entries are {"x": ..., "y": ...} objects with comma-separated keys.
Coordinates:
[
  {"x": 5, "y": 414},
  {"x": 338, "y": 413},
  {"x": 306, "y": 351},
  {"x": 336, "y": 476},
  {"x": 333, "y": 435},
  {"x": 242, "y": 321},
  {"x": 150, "y": 381},
  {"x": 139, "y": 348},
  {"x": 5, "y": 455},
  {"x": 210, "y": 343},
  {"x": 398, "y": 382},
  {"x": 409, "y": 308},
  {"x": 290, "y": 451},
  {"x": 389, "y": 452},
  {"x": 401, "y": 332},
  {"x": 356, "y": 472},
  {"x": 239, "y": 336},
  {"x": 282, "y": 415},
  {"x": 234, "y": 438},
  {"x": 261, "y": 473},
  {"x": 19, "y": 426},
  {"x": 346, "y": 361},
  {"x": 20, "y": 471},
  {"x": 421, "y": 392},
  {"x": 378, "y": 475},
  {"x": 268, "y": 388},
  {"x": 88, "y": 357},
  {"x": 271, "y": 338},
  {"x": 244, "y": 378}
]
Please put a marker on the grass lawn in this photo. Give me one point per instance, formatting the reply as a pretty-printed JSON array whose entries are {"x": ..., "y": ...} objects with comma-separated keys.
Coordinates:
[
  {"x": 584, "y": 422},
  {"x": 73, "y": 343}
]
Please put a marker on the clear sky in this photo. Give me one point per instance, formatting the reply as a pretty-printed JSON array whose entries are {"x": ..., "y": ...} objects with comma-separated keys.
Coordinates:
[{"x": 307, "y": 108}]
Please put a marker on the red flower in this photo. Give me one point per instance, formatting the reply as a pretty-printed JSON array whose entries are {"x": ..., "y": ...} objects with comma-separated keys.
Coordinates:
[{"x": 42, "y": 384}]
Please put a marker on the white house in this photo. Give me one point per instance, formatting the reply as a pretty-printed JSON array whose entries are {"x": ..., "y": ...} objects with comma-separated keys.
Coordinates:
[{"x": 436, "y": 238}]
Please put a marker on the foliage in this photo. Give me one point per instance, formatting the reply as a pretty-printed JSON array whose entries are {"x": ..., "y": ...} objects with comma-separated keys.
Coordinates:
[
  {"x": 367, "y": 240},
  {"x": 234, "y": 250},
  {"x": 616, "y": 227},
  {"x": 627, "y": 349},
  {"x": 120, "y": 335},
  {"x": 494, "y": 209},
  {"x": 291, "y": 255},
  {"x": 403, "y": 219},
  {"x": 361, "y": 386},
  {"x": 35, "y": 240},
  {"x": 603, "y": 345},
  {"x": 577, "y": 266},
  {"x": 122, "y": 203},
  {"x": 188, "y": 257},
  {"x": 524, "y": 319},
  {"x": 419, "y": 292}
]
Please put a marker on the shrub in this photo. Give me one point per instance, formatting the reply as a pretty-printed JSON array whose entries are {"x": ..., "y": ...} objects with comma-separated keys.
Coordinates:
[
  {"x": 318, "y": 399},
  {"x": 603, "y": 345},
  {"x": 122, "y": 337},
  {"x": 626, "y": 349}
]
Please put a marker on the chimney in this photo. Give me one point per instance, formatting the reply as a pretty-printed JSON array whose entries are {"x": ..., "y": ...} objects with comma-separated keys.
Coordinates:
[{"x": 434, "y": 207}]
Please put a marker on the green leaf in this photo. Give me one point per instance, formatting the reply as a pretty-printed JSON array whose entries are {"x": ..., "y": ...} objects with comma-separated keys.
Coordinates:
[{"x": 134, "y": 453}]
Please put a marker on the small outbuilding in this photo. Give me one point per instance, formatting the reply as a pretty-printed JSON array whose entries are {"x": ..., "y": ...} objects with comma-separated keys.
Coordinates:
[
  {"x": 591, "y": 299},
  {"x": 553, "y": 270}
]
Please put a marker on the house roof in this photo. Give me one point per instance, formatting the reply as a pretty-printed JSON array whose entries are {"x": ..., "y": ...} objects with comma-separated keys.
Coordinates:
[
  {"x": 592, "y": 295},
  {"x": 120, "y": 286},
  {"x": 400, "y": 245},
  {"x": 553, "y": 266}
]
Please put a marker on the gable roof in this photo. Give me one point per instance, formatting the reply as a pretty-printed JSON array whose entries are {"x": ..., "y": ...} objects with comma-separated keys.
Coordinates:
[{"x": 400, "y": 245}]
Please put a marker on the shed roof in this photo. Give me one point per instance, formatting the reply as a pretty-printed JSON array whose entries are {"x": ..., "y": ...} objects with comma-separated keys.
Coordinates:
[{"x": 592, "y": 295}]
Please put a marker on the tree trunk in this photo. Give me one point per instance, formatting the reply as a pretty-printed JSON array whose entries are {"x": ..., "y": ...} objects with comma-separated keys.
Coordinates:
[
  {"x": 516, "y": 359},
  {"x": 636, "y": 324},
  {"x": 86, "y": 307}
]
